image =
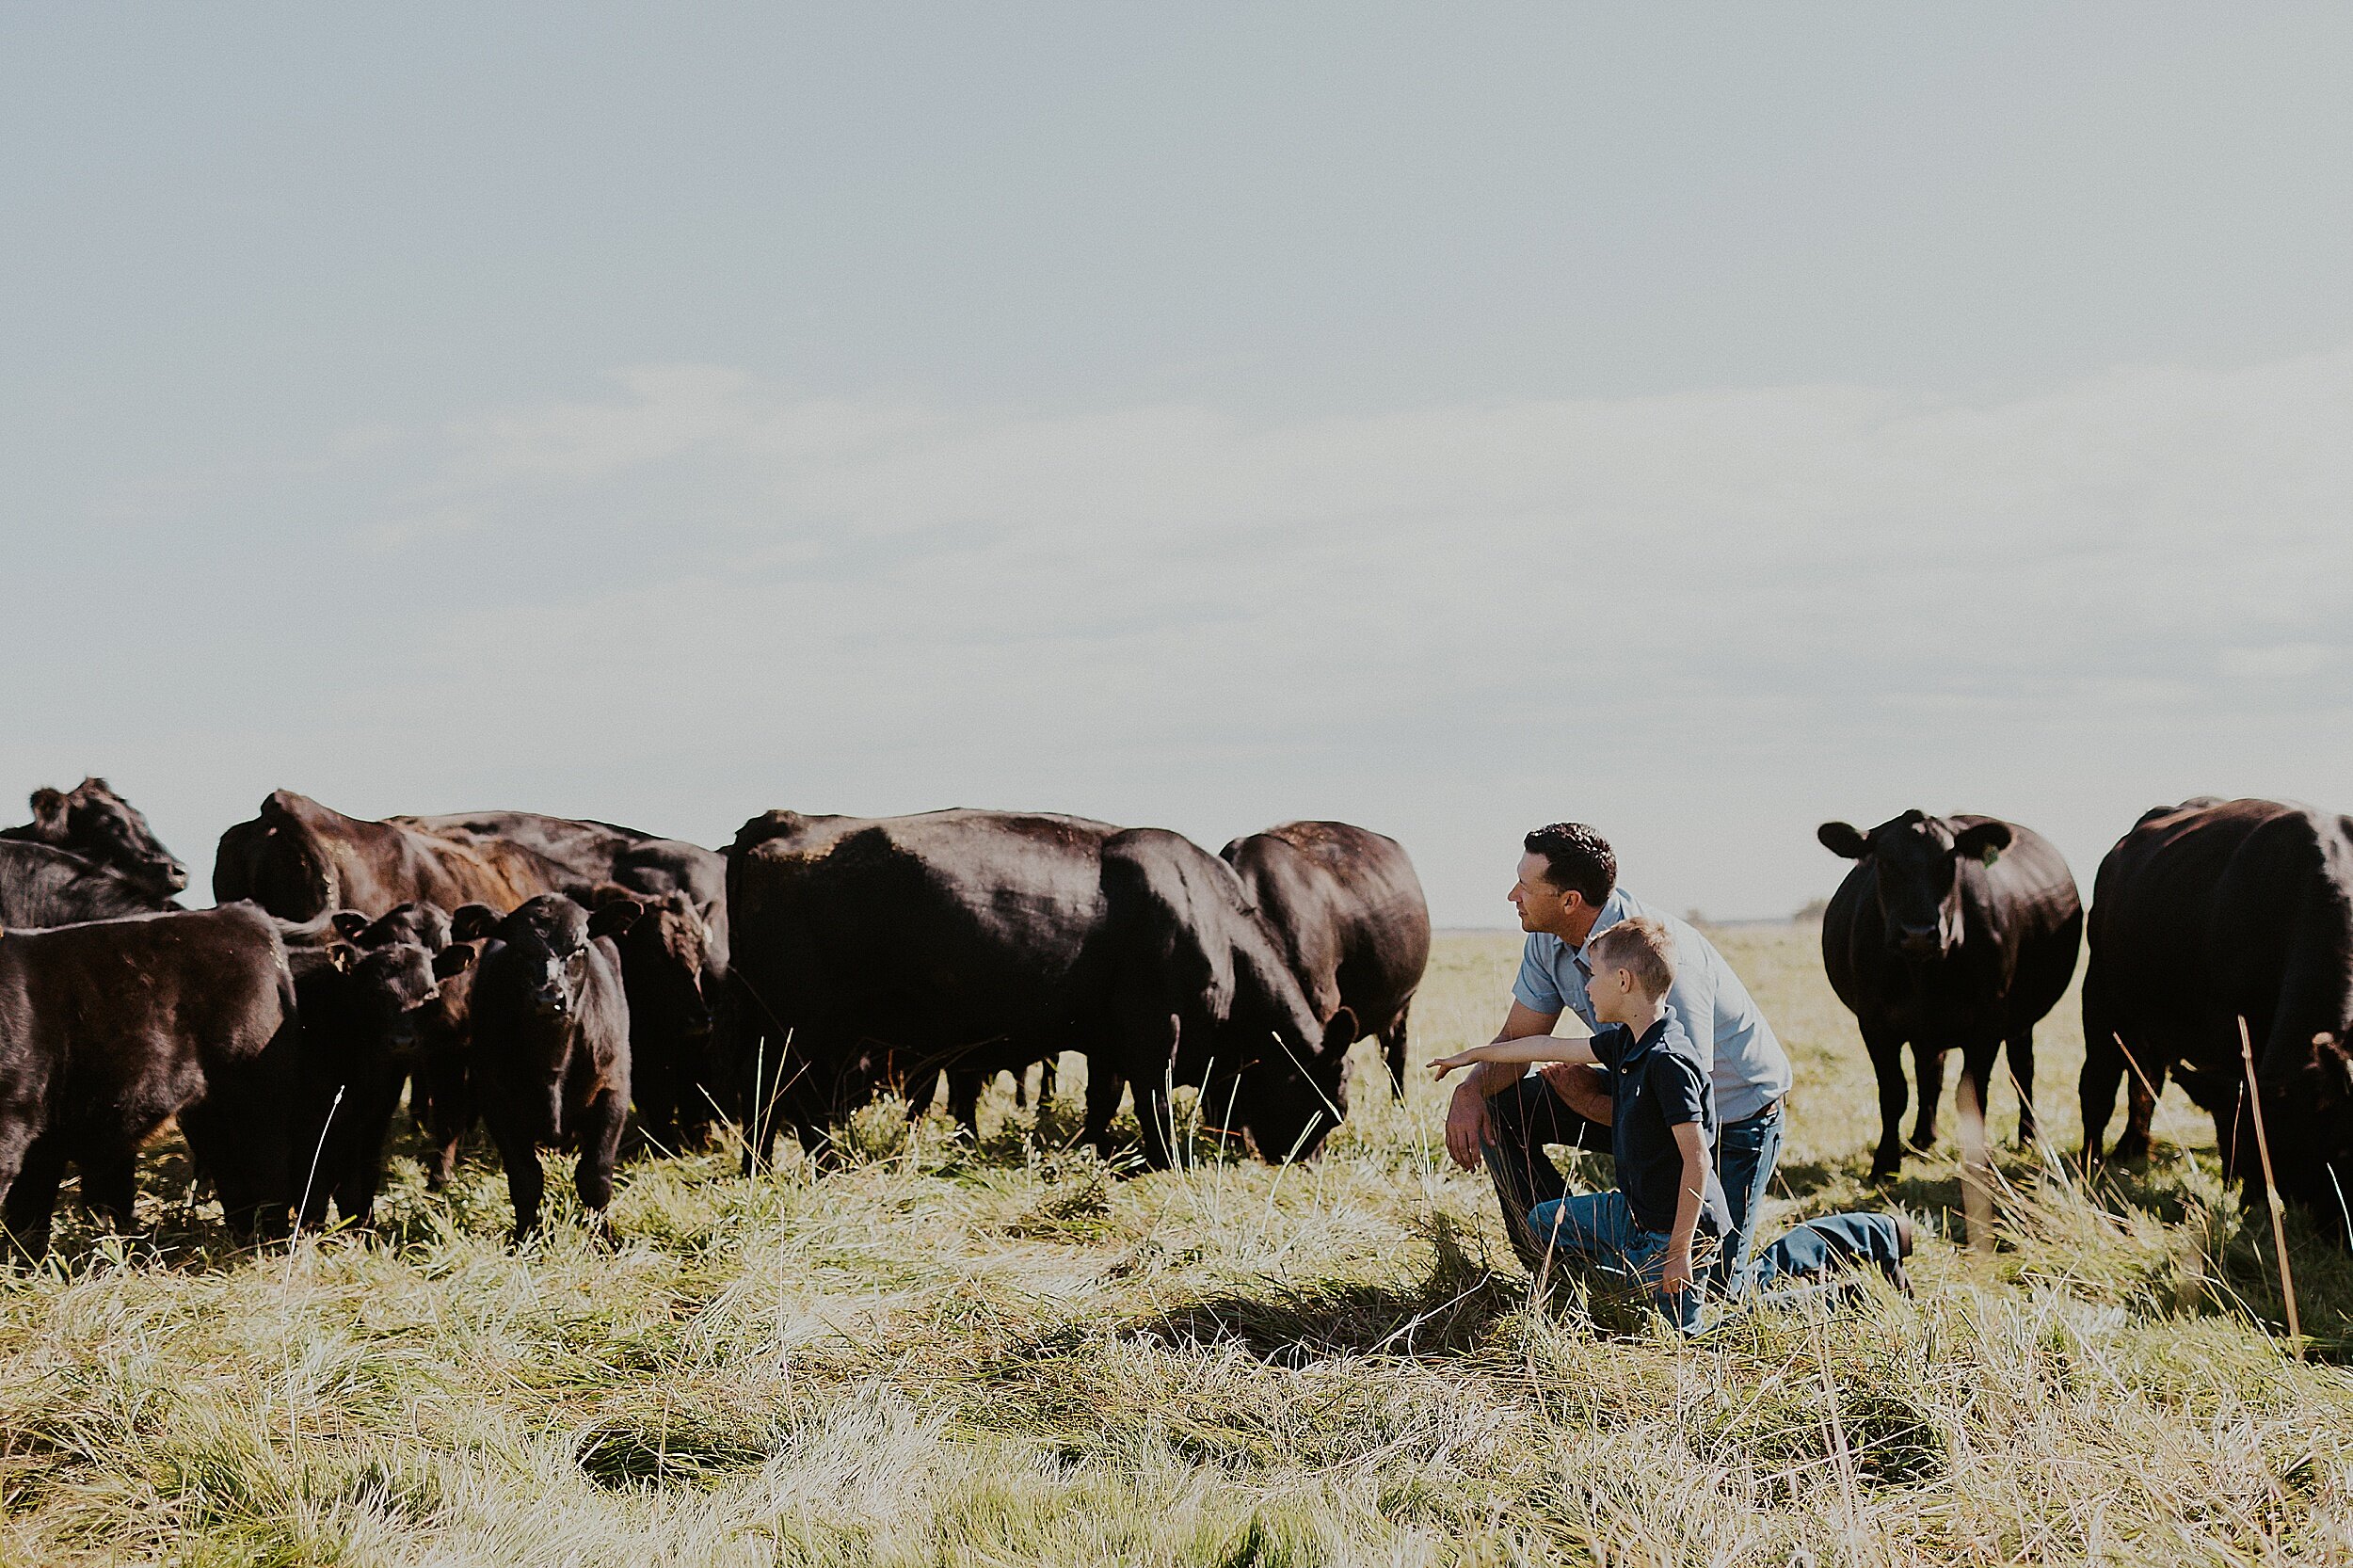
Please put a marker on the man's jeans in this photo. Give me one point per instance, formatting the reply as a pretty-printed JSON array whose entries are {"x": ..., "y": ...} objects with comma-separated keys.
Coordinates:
[
  {"x": 1746, "y": 1153},
  {"x": 1600, "y": 1228},
  {"x": 1529, "y": 1115},
  {"x": 1821, "y": 1246}
]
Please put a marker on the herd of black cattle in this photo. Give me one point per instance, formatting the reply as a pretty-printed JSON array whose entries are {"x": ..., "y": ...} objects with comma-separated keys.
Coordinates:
[{"x": 563, "y": 983}]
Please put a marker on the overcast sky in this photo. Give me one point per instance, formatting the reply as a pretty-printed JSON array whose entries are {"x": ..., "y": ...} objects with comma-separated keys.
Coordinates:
[{"x": 1701, "y": 421}]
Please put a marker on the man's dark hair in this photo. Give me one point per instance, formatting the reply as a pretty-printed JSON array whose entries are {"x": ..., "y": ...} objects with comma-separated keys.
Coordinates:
[{"x": 1576, "y": 859}]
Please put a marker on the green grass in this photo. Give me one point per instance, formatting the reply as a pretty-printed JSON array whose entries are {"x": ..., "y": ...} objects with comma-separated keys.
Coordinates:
[{"x": 1009, "y": 1355}]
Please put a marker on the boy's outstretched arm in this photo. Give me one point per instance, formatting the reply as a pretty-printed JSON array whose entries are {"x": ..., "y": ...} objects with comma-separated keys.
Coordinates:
[
  {"x": 1520, "y": 1052},
  {"x": 1675, "y": 1278}
]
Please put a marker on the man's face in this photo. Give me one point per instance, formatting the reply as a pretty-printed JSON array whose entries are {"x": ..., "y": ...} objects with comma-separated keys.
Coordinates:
[{"x": 1541, "y": 906}]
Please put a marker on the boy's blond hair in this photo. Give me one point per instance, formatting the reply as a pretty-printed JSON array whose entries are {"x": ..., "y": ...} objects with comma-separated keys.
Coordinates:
[{"x": 1642, "y": 946}]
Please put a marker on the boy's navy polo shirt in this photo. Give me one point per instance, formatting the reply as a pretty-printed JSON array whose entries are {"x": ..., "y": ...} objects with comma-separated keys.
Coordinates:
[{"x": 1658, "y": 1082}]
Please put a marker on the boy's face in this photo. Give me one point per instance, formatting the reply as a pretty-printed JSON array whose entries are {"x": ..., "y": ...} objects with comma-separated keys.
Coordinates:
[{"x": 1617, "y": 999}]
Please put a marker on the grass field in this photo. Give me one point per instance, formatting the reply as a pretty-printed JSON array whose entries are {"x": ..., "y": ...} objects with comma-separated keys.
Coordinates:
[{"x": 1007, "y": 1354}]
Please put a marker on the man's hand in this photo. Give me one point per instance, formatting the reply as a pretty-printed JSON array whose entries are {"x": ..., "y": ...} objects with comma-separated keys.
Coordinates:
[
  {"x": 1675, "y": 1278},
  {"x": 1467, "y": 1124},
  {"x": 1584, "y": 1089}
]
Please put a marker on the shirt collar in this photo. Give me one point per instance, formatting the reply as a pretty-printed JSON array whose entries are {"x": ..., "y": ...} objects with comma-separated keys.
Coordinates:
[{"x": 1614, "y": 908}]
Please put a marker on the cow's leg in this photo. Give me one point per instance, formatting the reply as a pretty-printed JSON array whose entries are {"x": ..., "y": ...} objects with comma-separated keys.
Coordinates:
[
  {"x": 2020, "y": 1054},
  {"x": 599, "y": 1146},
  {"x": 1155, "y": 1115},
  {"x": 449, "y": 1114},
  {"x": 653, "y": 1084},
  {"x": 1045, "y": 1080},
  {"x": 1977, "y": 1060},
  {"x": 964, "y": 1098},
  {"x": 1887, "y": 1066},
  {"x": 30, "y": 1169},
  {"x": 526, "y": 1184},
  {"x": 1393, "y": 1050},
  {"x": 2140, "y": 1107},
  {"x": 1927, "y": 1065},
  {"x": 236, "y": 1148},
  {"x": 110, "y": 1185},
  {"x": 1104, "y": 1087}
]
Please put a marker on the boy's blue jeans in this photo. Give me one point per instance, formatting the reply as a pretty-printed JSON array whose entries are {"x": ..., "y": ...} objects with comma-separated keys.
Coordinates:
[{"x": 1600, "y": 1227}]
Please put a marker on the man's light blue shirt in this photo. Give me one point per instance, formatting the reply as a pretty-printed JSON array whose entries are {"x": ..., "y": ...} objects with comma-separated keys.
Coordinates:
[{"x": 1746, "y": 1065}]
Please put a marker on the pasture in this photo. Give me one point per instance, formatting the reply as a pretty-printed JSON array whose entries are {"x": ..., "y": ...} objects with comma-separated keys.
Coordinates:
[{"x": 1007, "y": 1353}]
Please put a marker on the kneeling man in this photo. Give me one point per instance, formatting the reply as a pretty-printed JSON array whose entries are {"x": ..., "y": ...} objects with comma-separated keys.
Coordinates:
[{"x": 1567, "y": 894}]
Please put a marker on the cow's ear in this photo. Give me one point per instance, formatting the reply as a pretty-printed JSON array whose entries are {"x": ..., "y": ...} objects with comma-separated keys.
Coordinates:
[
  {"x": 348, "y": 923},
  {"x": 1342, "y": 1032},
  {"x": 49, "y": 806},
  {"x": 471, "y": 922},
  {"x": 342, "y": 956},
  {"x": 1983, "y": 840},
  {"x": 1842, "y": 840},
  {"x": 611, "y": 920},
  {"x": 452, "y": 960}
]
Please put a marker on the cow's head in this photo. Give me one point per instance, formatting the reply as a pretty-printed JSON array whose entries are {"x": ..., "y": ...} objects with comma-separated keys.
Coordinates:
[
  {"x": 546, "y": 945},
  {"x": 1917, "y": 862},
  {"x": 93, "y": 822},
  {"x": 2308, "y": 1112},
  {"x": 392, "y": 983},
  {"x": 663, "y": 950},
  {"x": 1295, "y": 1094}
]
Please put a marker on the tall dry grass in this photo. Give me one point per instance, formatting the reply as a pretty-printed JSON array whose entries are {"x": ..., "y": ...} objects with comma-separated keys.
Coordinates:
[{"x": 1008, "y": 1354}]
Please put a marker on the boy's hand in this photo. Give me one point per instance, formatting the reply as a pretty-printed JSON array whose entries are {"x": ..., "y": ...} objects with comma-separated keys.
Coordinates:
[
  {"x": 1446, "y": 1065},
  {"x": 1675, "y": 1278}
]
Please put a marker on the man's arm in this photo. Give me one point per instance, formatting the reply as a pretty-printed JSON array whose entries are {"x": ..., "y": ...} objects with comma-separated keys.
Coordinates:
[
  {"x": 1675, "y": 1278},
  {"x": 1466, "y": 1116}
]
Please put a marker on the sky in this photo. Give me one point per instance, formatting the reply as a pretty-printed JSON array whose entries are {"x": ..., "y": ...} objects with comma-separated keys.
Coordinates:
[{"x": 1699, "y": 420}]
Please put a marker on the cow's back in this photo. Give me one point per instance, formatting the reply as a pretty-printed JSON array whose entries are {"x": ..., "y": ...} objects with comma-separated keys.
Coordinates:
[
  {"x": 939, "y": 928},
  {"x": 1349, "y": 909},
  {"x": 133, "y": 1013},
  {"x": 43, "y": 886}
]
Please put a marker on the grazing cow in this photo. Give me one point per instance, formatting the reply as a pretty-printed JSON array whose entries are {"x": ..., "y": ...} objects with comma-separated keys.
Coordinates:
[
  {"x": 42, "y": 887},
  {"x": 1350, "y": 915},
  {"x": 361, "y": 987},
  {"x": 550, "y": 1046},
  {"x": 109, "y": 1027},
  {"x": 669, "y": 1016},
  {"x": 93, "y": 822},
  {"x": 881, "y": 950},
  {"x": 2207, "y": 918},
  {"x": 1950, "y": 931},
  {"x": 299, "y": 859}
]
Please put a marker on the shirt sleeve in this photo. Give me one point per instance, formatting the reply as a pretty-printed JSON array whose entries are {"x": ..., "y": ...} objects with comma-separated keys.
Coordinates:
[
  {"x": 1678, "y": 1088},
  {"x": 1535, "y": 989},
  {"x": 1610, "y": 1045}
]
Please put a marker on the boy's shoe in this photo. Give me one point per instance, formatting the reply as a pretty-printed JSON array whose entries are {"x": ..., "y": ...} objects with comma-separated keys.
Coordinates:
[{"x": 1897, "y": 1274}]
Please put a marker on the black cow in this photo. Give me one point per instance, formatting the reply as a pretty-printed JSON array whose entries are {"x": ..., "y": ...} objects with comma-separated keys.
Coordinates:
[
  {"x": 669, "y": 1016},
  {"x": 1350, "y": 915},
  {"x": 93, "y": 822},
  {"x": 109, "y": 1027},
  {"x": 550, "y": 1046},
  {"x": 441, "y": 1094},
  {"x": 1950, "y": 931},
  {"x": 361, "y": 987},
  {"x": 874, "y": 951},
  {"x": 2211, "y": 915},
  {"x": 40, "y": 886}
]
